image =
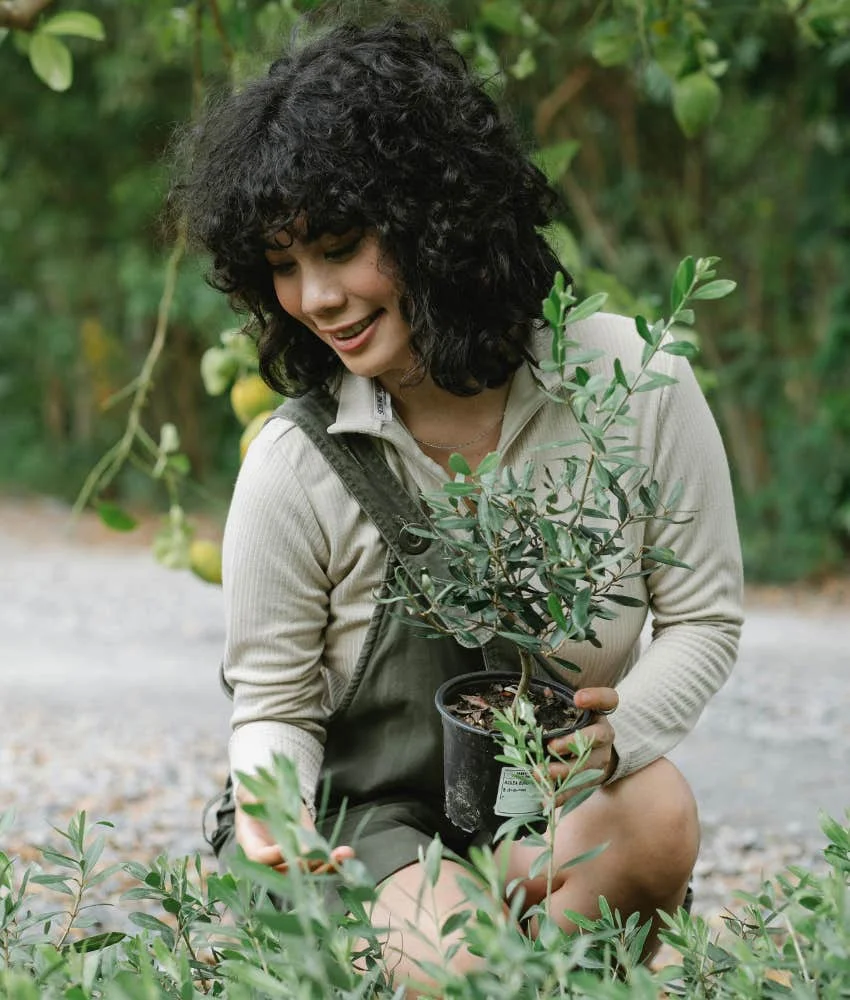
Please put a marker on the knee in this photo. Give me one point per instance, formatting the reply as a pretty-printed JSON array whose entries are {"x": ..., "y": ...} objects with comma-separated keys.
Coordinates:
[{"x": 666, "y": 822}]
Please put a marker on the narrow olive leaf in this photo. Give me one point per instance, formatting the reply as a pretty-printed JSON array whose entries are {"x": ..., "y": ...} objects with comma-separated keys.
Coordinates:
[
  {"x": 455, "y": 922},
  {"x": 619, "y": 374},
  {"x": 115, "y": 517},
  {"x": 665, "y": 556},
  {"x": 61, "y": 860},
  {"x": 715, "y": 289},
  {"x": 643, "y": 330},
  {"x": 51, "y": 61},
  {"x": 97, "y": 942},
  {"x": 681, "y": 348},
  {"x": 432, "y": 861},
  {"x": 552, "y": 311},
  {"x": 151, "y": 923},
  {"x": 557, "y": 612},
  {"x": 655, "y": 380},
  {"x": 625, "y": 600},
  {"x": 75, "y": 22},
  {"x": 587, "y": 307},
  {"x": 682, "y": 282},
  {"x": 459, "y": 489},
  {"x": 489, "y": 463}
]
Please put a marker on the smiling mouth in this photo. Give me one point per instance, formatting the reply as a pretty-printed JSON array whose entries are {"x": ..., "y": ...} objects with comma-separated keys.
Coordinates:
[{"x": 356, "y": 328}]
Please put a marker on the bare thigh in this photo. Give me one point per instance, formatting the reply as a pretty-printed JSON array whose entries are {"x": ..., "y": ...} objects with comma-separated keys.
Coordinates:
[
  {"x": 650, "y": 825},
  {"x": 408, "y": 916}
]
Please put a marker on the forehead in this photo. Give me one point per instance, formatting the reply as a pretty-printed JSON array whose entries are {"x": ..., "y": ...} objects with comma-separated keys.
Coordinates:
[{"x": 298, "y": 235}]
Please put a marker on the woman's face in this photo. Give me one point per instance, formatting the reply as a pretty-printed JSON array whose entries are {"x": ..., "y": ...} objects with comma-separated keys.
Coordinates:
[{"x": 335, "y": 286}]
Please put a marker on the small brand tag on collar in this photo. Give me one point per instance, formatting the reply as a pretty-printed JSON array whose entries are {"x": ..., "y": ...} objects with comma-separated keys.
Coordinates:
[{"x": 382, "y": 405}]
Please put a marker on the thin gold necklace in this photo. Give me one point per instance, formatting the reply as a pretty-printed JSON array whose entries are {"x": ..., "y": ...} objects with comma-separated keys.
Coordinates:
[{"x": 463, "y": 444}]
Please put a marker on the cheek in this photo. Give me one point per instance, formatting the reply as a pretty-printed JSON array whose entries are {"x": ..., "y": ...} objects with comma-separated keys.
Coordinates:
[{"x": 286, "y": 293}]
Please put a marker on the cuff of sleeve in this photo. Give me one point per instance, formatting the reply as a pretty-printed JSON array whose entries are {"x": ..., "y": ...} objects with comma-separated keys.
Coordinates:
[
  {"x": 632, "y": 752},
  {"x": 254, "y": 744}
]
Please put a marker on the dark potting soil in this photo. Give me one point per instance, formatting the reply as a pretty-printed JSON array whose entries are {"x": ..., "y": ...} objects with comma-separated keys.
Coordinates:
[{"x": 550, "y": 710}]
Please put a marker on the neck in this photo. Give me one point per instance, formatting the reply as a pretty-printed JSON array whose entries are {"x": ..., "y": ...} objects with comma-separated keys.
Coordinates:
[{"x": 441, "y": 422}]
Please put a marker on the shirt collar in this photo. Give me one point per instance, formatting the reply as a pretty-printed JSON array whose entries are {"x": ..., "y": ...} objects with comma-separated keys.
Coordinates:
[{"x": 366, "y": 408}]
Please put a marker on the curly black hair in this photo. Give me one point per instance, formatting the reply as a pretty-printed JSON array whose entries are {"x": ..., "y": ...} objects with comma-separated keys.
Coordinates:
[{"x": 381, "y": 128}]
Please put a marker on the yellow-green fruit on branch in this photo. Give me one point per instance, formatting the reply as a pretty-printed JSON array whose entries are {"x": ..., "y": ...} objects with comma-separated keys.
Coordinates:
[
  {"x": 205, "y": 560},
  {"x": 249, "y": 396},
  {"x": 251, "y": 431}
]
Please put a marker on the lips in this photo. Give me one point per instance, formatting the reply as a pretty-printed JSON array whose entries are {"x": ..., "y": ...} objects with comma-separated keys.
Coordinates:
[
  {"x": 355, "y": 328},
  {"x": 352, "y": 337}
]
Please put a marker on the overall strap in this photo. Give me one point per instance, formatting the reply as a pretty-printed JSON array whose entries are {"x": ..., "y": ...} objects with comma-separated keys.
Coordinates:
[
  {"x": 382, "y": 496},
  {"x": 365, "y": 474}
]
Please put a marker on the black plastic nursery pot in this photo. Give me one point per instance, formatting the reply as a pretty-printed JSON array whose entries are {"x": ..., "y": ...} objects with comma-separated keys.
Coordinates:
[{"x": 480, "y": 791}]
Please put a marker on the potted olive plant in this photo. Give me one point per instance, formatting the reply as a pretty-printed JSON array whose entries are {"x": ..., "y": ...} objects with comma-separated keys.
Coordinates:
[{"x": 534, "y": 569}]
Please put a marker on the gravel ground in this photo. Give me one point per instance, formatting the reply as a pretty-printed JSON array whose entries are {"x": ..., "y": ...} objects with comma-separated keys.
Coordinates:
[{"x": 112, "y": 706}]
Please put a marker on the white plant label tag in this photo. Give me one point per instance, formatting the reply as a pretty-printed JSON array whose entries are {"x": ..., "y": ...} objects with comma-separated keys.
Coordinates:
[{"x": 517, "y": 795}]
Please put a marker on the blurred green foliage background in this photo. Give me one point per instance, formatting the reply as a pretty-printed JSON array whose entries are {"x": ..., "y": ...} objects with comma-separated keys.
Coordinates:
[{"x": 672, "y": 127}]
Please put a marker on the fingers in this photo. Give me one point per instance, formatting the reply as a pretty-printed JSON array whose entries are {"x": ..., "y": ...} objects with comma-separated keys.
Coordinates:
[
  {"x": 602, "y": 700},
  {"x": 267, "y": 855},
  {"x": 255, "y": 841},
  {"x": 338, "y": 856}
]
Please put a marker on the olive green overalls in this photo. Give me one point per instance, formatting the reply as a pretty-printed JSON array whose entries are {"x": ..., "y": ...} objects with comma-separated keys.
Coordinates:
[{"x": 383, "y": 753}]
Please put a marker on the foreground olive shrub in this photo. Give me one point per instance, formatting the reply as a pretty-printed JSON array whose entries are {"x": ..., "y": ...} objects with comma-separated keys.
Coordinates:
[{"x": 260, "y": 934}]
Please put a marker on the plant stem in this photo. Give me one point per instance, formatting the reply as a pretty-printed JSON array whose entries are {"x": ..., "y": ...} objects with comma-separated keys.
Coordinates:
[
  {"x": 74, "y": 911},
  {"x": 527, "y": 663},
  {"x": 113, "y": 461}
]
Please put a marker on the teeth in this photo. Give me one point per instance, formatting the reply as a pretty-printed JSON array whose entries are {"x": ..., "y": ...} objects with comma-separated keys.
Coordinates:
[{"x": 352, "y": 331}]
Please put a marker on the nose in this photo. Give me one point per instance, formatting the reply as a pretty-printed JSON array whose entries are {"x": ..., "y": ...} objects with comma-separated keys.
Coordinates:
[{"x": 321, "y": 291}]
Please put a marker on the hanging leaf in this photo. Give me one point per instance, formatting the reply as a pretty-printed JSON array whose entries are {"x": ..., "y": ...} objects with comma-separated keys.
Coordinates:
[
  {"x": 696, "y": 101},
  {"x": 75, "y": 22},
  {"x": 613, "y": 45},
  {"x": 51, "y": 61},
  {"x": 115, "y": 517}
]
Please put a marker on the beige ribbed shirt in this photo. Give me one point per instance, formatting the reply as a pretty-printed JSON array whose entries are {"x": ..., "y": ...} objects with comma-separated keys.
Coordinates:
[{"x": 301, "y": 562}]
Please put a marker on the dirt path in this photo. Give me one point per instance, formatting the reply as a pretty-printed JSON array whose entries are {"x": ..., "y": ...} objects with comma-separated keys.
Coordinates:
[{"x": 111, "y": 704}]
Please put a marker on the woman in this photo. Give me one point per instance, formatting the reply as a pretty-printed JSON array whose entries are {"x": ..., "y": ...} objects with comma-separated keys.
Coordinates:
[{"x": 374, "y": 211}]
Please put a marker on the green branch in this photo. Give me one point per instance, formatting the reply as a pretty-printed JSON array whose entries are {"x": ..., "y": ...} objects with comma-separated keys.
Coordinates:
[{"x": 113, "y": 461}]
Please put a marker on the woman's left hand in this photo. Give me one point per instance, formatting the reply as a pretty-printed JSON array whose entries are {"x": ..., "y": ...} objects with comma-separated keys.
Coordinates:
[{"x": 602, "y": 701}]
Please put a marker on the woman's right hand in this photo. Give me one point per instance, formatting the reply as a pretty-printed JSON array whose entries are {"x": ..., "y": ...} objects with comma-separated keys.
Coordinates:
[{"x": 254, "y": 839}]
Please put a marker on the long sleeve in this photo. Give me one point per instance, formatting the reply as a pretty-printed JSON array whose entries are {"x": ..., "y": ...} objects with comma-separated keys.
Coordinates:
[
  {"x": 696, "y": 612},
  {"x": 276, "y": 601}
]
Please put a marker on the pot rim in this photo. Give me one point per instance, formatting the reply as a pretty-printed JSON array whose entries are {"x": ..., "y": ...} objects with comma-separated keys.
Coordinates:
[{"x": 490, "y": 676}]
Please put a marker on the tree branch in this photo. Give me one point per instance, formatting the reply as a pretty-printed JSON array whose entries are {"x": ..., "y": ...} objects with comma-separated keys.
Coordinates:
[
  {"x": 21, "y": 15},
  {"x": 549, "y": 107}
]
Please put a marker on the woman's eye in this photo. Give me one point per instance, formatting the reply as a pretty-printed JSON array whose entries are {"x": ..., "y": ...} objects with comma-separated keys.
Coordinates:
[
  {"x": 345, "y": 250},
  {"x": 281, "y": 266}
]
